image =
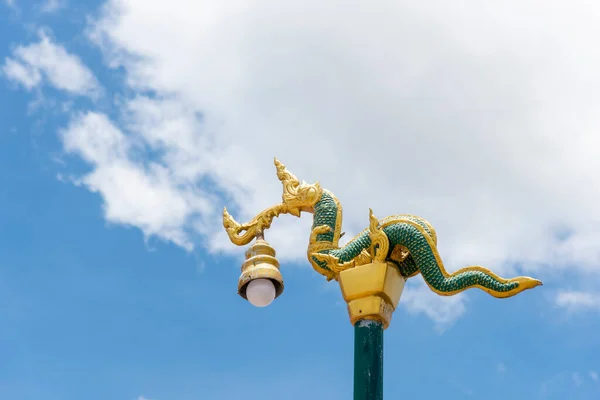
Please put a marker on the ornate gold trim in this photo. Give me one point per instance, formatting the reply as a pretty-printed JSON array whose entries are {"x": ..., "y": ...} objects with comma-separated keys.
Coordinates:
[
  {"x": 380, "y": 243},
  {"x": 296, "y": 197}
]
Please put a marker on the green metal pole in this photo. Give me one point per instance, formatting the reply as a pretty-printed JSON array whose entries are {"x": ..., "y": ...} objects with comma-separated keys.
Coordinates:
[{"x": 368, "y": 360}]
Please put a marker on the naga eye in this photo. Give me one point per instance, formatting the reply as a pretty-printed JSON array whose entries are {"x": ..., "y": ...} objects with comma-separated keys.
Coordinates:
[{"x": 311, "y": 193}]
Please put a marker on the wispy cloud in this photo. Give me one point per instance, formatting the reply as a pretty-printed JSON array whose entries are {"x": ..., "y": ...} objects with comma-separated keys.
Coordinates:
[
  {"x": 565, "y": 379},
  {"x": 577, "y": 300},
  {"x": 418, "y": 298},
  {"x": 31, "y": 63},
  {"x": 21, "y": 72},
  {"x": 144, "y": 195}
]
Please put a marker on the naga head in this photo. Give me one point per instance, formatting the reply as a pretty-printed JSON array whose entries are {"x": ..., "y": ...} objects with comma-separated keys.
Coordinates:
[{"x": 297, "y": 197}]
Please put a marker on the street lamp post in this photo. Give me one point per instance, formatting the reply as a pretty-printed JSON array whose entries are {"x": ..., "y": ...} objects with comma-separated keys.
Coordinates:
[{"x": 371, "y": 269}]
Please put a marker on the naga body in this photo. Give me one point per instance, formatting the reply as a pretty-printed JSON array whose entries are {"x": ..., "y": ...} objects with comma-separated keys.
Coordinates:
[{"x": 407, "y": 241}]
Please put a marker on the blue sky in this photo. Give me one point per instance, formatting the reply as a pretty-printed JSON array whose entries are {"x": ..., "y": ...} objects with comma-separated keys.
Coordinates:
[{"x": 123, "y": 139}]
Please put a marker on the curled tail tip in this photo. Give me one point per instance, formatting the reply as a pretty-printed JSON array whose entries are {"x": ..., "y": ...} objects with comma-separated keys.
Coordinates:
[
  {"x": 535, "y": 282},
  {"x": 228, "y": 221}
]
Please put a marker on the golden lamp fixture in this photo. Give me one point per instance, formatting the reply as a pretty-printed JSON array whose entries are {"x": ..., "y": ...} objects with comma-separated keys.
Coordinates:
[
  {"x": 371, "y": 268},
  {"x": 261, "y": 281}
]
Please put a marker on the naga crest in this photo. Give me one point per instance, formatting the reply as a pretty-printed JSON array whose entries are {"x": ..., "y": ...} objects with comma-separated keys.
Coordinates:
[{"x": 297, "y": 197}]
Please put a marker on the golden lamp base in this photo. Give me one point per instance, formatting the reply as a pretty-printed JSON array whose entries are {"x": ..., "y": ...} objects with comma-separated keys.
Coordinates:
[
  {"x": 372, "y": 291},
  {"x": 260, "y": 264}
]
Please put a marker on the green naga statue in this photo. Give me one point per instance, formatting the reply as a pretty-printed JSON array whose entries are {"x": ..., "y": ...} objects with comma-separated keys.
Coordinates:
[{"x": 407, "y": 241}]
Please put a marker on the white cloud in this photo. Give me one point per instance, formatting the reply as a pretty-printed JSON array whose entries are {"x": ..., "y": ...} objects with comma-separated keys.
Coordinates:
[
  {"x": 418, "y": 298},
  {"x": 442, "y": 111},
  {"x": 26, "y": 75},
  {"x": 577, "y": 301},
  {"x": 399, "y": 107},
  {"x": 45, "y": 58},
  {"x": 147, "y": 196},
  {"x": 594, "y": 376}
]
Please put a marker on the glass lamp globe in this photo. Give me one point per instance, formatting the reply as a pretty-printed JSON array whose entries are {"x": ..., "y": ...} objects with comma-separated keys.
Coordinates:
[{"x": 260, "y": 292}]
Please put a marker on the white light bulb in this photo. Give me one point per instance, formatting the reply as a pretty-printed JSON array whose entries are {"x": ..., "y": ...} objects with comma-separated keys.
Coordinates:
[{"x": 260, "y": 292}]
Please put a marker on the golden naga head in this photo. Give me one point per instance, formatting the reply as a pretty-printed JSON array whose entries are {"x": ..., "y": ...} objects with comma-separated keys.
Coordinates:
[{"x": 297, "y": 197}]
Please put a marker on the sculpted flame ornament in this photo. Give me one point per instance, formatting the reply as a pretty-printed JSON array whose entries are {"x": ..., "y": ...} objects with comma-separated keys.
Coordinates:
[{"x": 407, "y": 241}]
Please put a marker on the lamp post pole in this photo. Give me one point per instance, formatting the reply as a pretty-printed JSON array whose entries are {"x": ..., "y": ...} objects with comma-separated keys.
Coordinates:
[
  {"x": 372, "y": 292},
  {"x": 368, "y": 360},
  {"x": 371, "y": 269}
]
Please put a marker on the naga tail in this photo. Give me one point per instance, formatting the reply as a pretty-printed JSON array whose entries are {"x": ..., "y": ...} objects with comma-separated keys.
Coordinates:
[{"x": 424, "y": 252}]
